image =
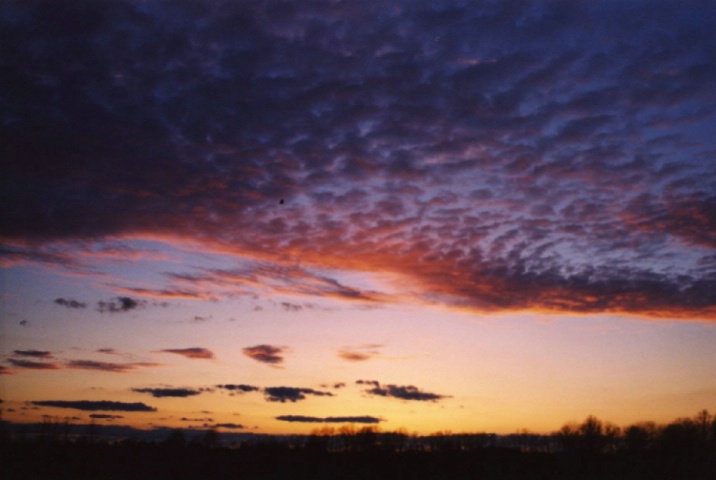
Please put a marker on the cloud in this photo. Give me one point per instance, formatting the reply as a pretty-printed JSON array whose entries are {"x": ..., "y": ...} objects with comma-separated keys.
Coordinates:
[
  {"x": 109, "y": 351},
  {"x": 291, "y": 307},
  {"x": 193, "y": 352},
  {"x": 168, "y": 392},
  {"x": 5, "y": 371},
  {"x": 265, "y": 353},
  {"x": 33, "y": 353},
  {"x": 433, "y": 153},
  {"x": 239, "y": 388},
  {"x": 359, "y": 354},
  {"x": 353, "y": 356},
  {"x": 120, "y": 305},
  {"x": 407, "y": 392},
  {"x": 96, "y": 405},
  {"x": 305, "y": 419},
  {"x": 105, "y": 416},
  {"x": 230, "y": 426},
  {"x": 69, "y": 303},
  {"x": 185, "y": 419},
  {"x": 32, "y": 365},
  {"x": 375, "y": 383},
  {"x": 169, "y": 293},
  {"x": 291, "y": 394},
  {"x": 107, "y": 366}
]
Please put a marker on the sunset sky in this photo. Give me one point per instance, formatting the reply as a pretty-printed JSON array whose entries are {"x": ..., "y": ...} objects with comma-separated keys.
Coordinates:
[{"x": 271, "y": 216}]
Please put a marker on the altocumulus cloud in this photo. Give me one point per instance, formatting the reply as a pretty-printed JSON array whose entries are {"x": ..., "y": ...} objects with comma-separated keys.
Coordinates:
[
  {"x": 96, "y": 405},
  {"x": 419, "y": 142}
]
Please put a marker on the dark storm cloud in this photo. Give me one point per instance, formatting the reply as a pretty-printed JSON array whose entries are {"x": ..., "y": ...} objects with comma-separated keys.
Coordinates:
[
  {"x": 305, "y": 419},
  {"x": 32, "y": 365},
  {"x": 407, "y": 392},
  {"x": 96, "y": 405},
  {"x": 193, "y": 352},
  {"x": 265, "y": 353},
  {"x": 241, "y": 388},
  {"x": 168, "y": 392},
  {"x": 291, "y": 394},
  {"x": 546, "y": 155},
  {"x": 69, "y": 303},
  {"x": 119, "y": 304},
  {"x": 33, "y": 353}
]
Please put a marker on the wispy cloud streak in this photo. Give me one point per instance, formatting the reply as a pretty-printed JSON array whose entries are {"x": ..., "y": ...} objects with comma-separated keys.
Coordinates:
[
  {"x": 96, "y": 405},
  {"x": 193, "y": 353}
]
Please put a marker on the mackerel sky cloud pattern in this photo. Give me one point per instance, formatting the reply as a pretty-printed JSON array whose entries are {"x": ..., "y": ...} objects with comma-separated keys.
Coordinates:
[{"x": 569, "y": 169}]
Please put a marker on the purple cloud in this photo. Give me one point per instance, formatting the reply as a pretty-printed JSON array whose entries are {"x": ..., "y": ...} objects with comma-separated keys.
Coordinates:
[{"x": 270, "y": 354}]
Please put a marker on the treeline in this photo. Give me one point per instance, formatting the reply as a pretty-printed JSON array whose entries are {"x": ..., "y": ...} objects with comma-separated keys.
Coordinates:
[{"x": 593, "y": 449}]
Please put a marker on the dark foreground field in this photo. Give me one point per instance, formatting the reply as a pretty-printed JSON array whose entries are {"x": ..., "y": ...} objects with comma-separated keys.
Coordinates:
[
  {"x": 684, "y": 449},
  {"x": 130, "y": 460}
]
